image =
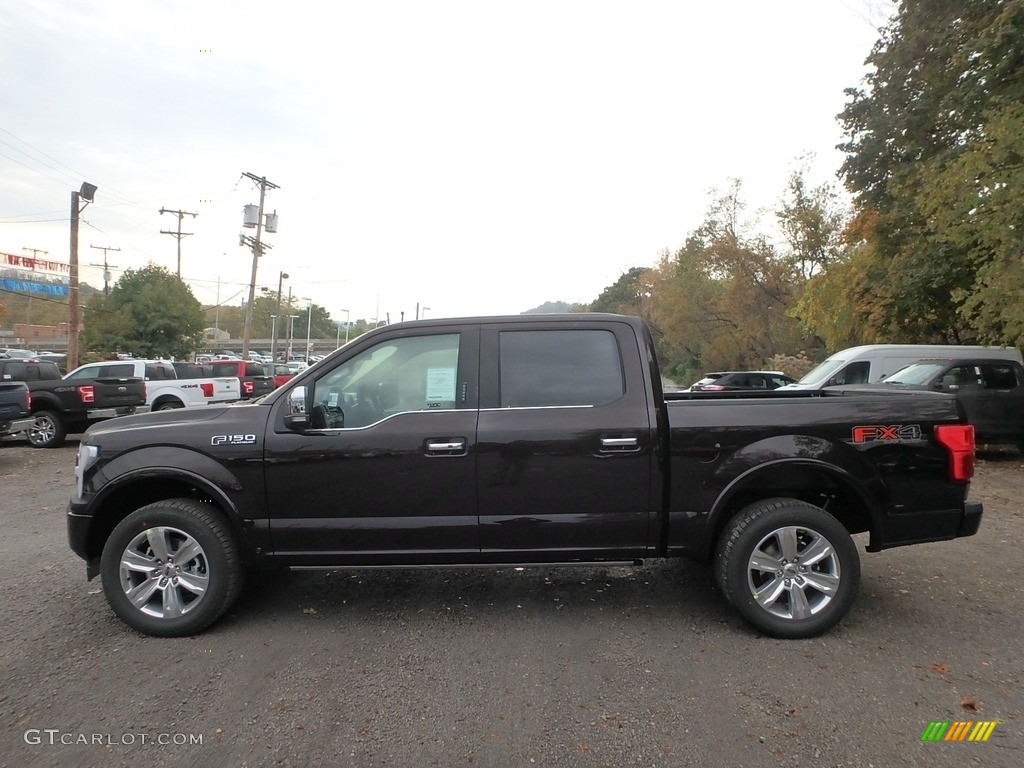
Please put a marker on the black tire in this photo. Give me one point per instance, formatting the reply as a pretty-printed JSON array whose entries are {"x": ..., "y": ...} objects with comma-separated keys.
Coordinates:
[
  {"x": 771, "y": 587},
  {"x": 49, "y": 431},
  {"x": 169, "y": 405},
  {"x": 171, "y": 599}
]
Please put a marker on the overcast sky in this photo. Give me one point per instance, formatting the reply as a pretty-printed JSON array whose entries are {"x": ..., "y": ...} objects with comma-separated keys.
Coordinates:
[{"x": 472, "y": 157}]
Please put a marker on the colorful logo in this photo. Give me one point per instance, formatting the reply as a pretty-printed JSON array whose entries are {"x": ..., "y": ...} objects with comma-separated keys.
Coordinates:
[{"x": 958, "y": 730}]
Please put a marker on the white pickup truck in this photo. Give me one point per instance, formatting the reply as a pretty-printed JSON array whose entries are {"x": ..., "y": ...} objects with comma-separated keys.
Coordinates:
[{"x": 164, "y": 389}]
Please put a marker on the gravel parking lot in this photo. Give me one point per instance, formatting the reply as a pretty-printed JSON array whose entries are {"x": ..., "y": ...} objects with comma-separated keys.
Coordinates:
[{"x": 586, "y": 666}]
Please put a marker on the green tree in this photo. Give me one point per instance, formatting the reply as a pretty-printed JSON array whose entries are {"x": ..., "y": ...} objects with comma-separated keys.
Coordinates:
[
  {"x": 150, "y": 312},
  {"x": 934, "y": 141}
]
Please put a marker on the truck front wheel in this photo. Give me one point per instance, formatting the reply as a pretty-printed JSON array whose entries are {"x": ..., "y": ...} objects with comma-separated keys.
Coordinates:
[
  {"x": 49, "y": 430},
  {"x": 789, "y": 568},
  {"x": 171, "y": 568}
]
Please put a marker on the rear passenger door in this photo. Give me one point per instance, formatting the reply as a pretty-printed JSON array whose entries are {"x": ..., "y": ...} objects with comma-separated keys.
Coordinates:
[{"x": 565, "y": 445}]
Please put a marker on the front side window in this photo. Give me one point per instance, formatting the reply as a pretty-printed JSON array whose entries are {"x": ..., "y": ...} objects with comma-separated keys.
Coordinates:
[
  {"x": 559, "y": 368},
  {"x": 414, "y": 373}
]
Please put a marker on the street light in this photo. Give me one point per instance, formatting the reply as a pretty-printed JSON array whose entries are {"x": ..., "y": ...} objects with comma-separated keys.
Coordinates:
[
  {"x": 273, "y": 335},
  {"x": 309, "y": 324},
  {"x": 424, "y": 314}
]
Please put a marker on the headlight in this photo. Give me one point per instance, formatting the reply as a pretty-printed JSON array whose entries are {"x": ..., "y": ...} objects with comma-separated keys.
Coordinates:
[{"x": 87, "y": 456}]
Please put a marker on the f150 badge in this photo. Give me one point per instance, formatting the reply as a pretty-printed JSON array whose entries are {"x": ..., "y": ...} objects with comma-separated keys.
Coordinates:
[
  {"x": 896, "y": 433},
  {"x": 233, "y": 440}
]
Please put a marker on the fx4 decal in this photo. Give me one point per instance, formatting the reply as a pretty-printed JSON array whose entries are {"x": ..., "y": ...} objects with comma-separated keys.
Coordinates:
[
  {"x": 895, "y": 433},
  {"x": 233, "y": 440}
]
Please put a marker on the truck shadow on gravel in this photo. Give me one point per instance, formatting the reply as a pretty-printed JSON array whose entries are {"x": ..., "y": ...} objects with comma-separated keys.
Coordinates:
[{"x": 668, "y": 588}]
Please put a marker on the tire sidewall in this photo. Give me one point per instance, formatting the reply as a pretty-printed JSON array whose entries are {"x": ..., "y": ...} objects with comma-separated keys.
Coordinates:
[
  {"x": 737, "y": 546},
  {"x": 193, "y": 519}
]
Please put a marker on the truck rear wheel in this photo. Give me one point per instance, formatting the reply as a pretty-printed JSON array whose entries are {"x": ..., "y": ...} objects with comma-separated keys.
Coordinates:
[
  {"x": 171, "y": 568},
  {"x": 49, "y": 431},
  {"x": 789, "y": 567}
]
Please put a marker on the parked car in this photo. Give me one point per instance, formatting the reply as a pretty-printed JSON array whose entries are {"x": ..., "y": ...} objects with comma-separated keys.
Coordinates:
[
  {"x": 990, "y": 391},
  {"x": 521, "y": 439},
  {"x": 722, "y": 381},
  {"x": 60, "y": 406},
  {"x": 871, "y": 363},
  {"x": 15, "y": 408},
  {"x": 168, "y": 386},
  {"x": 280, "y": 372}
]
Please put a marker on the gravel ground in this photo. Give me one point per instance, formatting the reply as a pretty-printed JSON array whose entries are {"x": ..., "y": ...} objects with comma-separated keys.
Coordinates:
[{"x": 591, "y": 666}]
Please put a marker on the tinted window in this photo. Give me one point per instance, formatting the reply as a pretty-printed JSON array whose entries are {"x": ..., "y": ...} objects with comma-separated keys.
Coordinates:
[
  {"x": 16, "y": 372},
  {"x": 998, "y": 376},
  {"x": 255, "y": 369},
  {"x": 550, "y": 368},
  {"x": 159, "y": 371},
  {"x": 223, "y": 369}
]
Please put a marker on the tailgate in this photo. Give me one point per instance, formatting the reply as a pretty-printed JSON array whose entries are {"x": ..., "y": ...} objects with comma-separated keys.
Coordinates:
[
  {"x": 255, "y": 386},
  {"x": 112, "y": 393}
]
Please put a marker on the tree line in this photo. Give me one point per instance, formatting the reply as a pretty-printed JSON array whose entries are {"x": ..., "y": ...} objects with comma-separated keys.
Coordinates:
[{"x": 929, "y": 247}]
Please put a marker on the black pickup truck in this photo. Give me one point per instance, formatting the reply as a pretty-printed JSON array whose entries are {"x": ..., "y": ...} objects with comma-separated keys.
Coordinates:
[
  {"x": 60, "y": 406},
  {"x": 15, "y": 408},
  {"x": 543, "y": 439}
]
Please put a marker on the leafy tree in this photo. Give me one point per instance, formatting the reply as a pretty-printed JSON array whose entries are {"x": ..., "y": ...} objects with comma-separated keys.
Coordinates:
[
  {"x": 150, "y": 312},
  {"x": 934, "y": 144},
  {"x": 624, "y": 296}
]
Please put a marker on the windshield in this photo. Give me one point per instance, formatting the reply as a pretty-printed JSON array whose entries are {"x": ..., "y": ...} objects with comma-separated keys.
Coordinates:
[
  {"x": 821, "y": 371},
  {"x": 915, "y": 373}
]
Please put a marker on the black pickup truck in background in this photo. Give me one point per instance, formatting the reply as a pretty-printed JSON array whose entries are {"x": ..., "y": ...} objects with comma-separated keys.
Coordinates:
[
  {"x": 15, "y": 408},
  {"x": 60, "y": 407},
  {"x": 536, "y": 439},
  {"x": 991, "y": 392}
]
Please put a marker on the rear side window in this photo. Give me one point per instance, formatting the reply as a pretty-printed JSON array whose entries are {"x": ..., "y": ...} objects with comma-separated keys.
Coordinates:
[
  {"x": 224, "y": 369},
  {"x": 998, "y": 376},
  {"x": 159, "y": 371},
  {"x": 558, "y": 368}
]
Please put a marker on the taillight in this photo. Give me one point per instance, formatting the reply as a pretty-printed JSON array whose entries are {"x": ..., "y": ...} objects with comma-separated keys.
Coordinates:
[
  {"x": 88, "y": 393},
  {"x": 712, "y": 388},
  {"x": 28, "y": 400},
  {"x": 959, "y": 441},
  {"x": 207, "y": 389},
  {"x": 248, "y": 387}
]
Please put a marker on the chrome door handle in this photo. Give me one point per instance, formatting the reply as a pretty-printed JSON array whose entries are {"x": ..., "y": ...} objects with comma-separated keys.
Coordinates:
[
  {"x": 446, "y": 447},
  {"x": 623, "y": 444}
]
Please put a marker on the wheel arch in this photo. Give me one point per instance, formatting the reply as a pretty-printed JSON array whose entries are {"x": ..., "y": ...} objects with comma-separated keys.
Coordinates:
[
  {"x": 136, "y": 489},
  {"x": 165, "y": 399},
  {"x": 824, "y": 485}
]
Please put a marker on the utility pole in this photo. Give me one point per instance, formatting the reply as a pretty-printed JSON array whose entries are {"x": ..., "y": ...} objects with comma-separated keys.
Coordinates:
[
  {"x": 87, "y": 191},
  {"x": 281, "y": 277},
  {"x": 106, "y": 267},
  {"x": 179, "y": 234},
  {"x": 257, "y": 251},
  {"x": 35, "y": 255}
]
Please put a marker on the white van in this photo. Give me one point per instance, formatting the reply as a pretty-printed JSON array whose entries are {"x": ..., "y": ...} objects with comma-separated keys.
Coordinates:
[{"x": 871, "y": 363}]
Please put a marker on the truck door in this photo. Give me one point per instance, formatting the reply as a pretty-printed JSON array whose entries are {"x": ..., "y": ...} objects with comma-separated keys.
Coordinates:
[
  {"x": 565, "y": 442},
  {"x": 385, "y": 472}
]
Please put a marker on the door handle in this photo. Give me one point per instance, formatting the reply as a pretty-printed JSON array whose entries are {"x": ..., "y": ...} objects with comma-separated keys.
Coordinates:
[
  {"x": 446, "y": 447},
  {"x": 619, "y": 444}
]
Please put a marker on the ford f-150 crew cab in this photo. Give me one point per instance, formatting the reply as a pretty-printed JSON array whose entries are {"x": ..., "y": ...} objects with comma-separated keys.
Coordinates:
[
  {"x": 60, "y": 406},
  {"x": 168, "y": 385},
  {"x": 543, "y": 439}
]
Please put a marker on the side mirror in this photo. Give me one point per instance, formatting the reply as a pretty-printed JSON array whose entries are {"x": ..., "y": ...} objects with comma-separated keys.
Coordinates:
[{"x": 295, "y": 416}]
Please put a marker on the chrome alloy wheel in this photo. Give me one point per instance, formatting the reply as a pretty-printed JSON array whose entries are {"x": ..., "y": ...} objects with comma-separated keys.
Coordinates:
[
  {"x": 793, "y": 572},
  {"x": 164, "y": 572}
]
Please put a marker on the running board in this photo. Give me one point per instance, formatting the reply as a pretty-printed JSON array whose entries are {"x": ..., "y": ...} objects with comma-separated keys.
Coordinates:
[{"x": 492, "y": 566}]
